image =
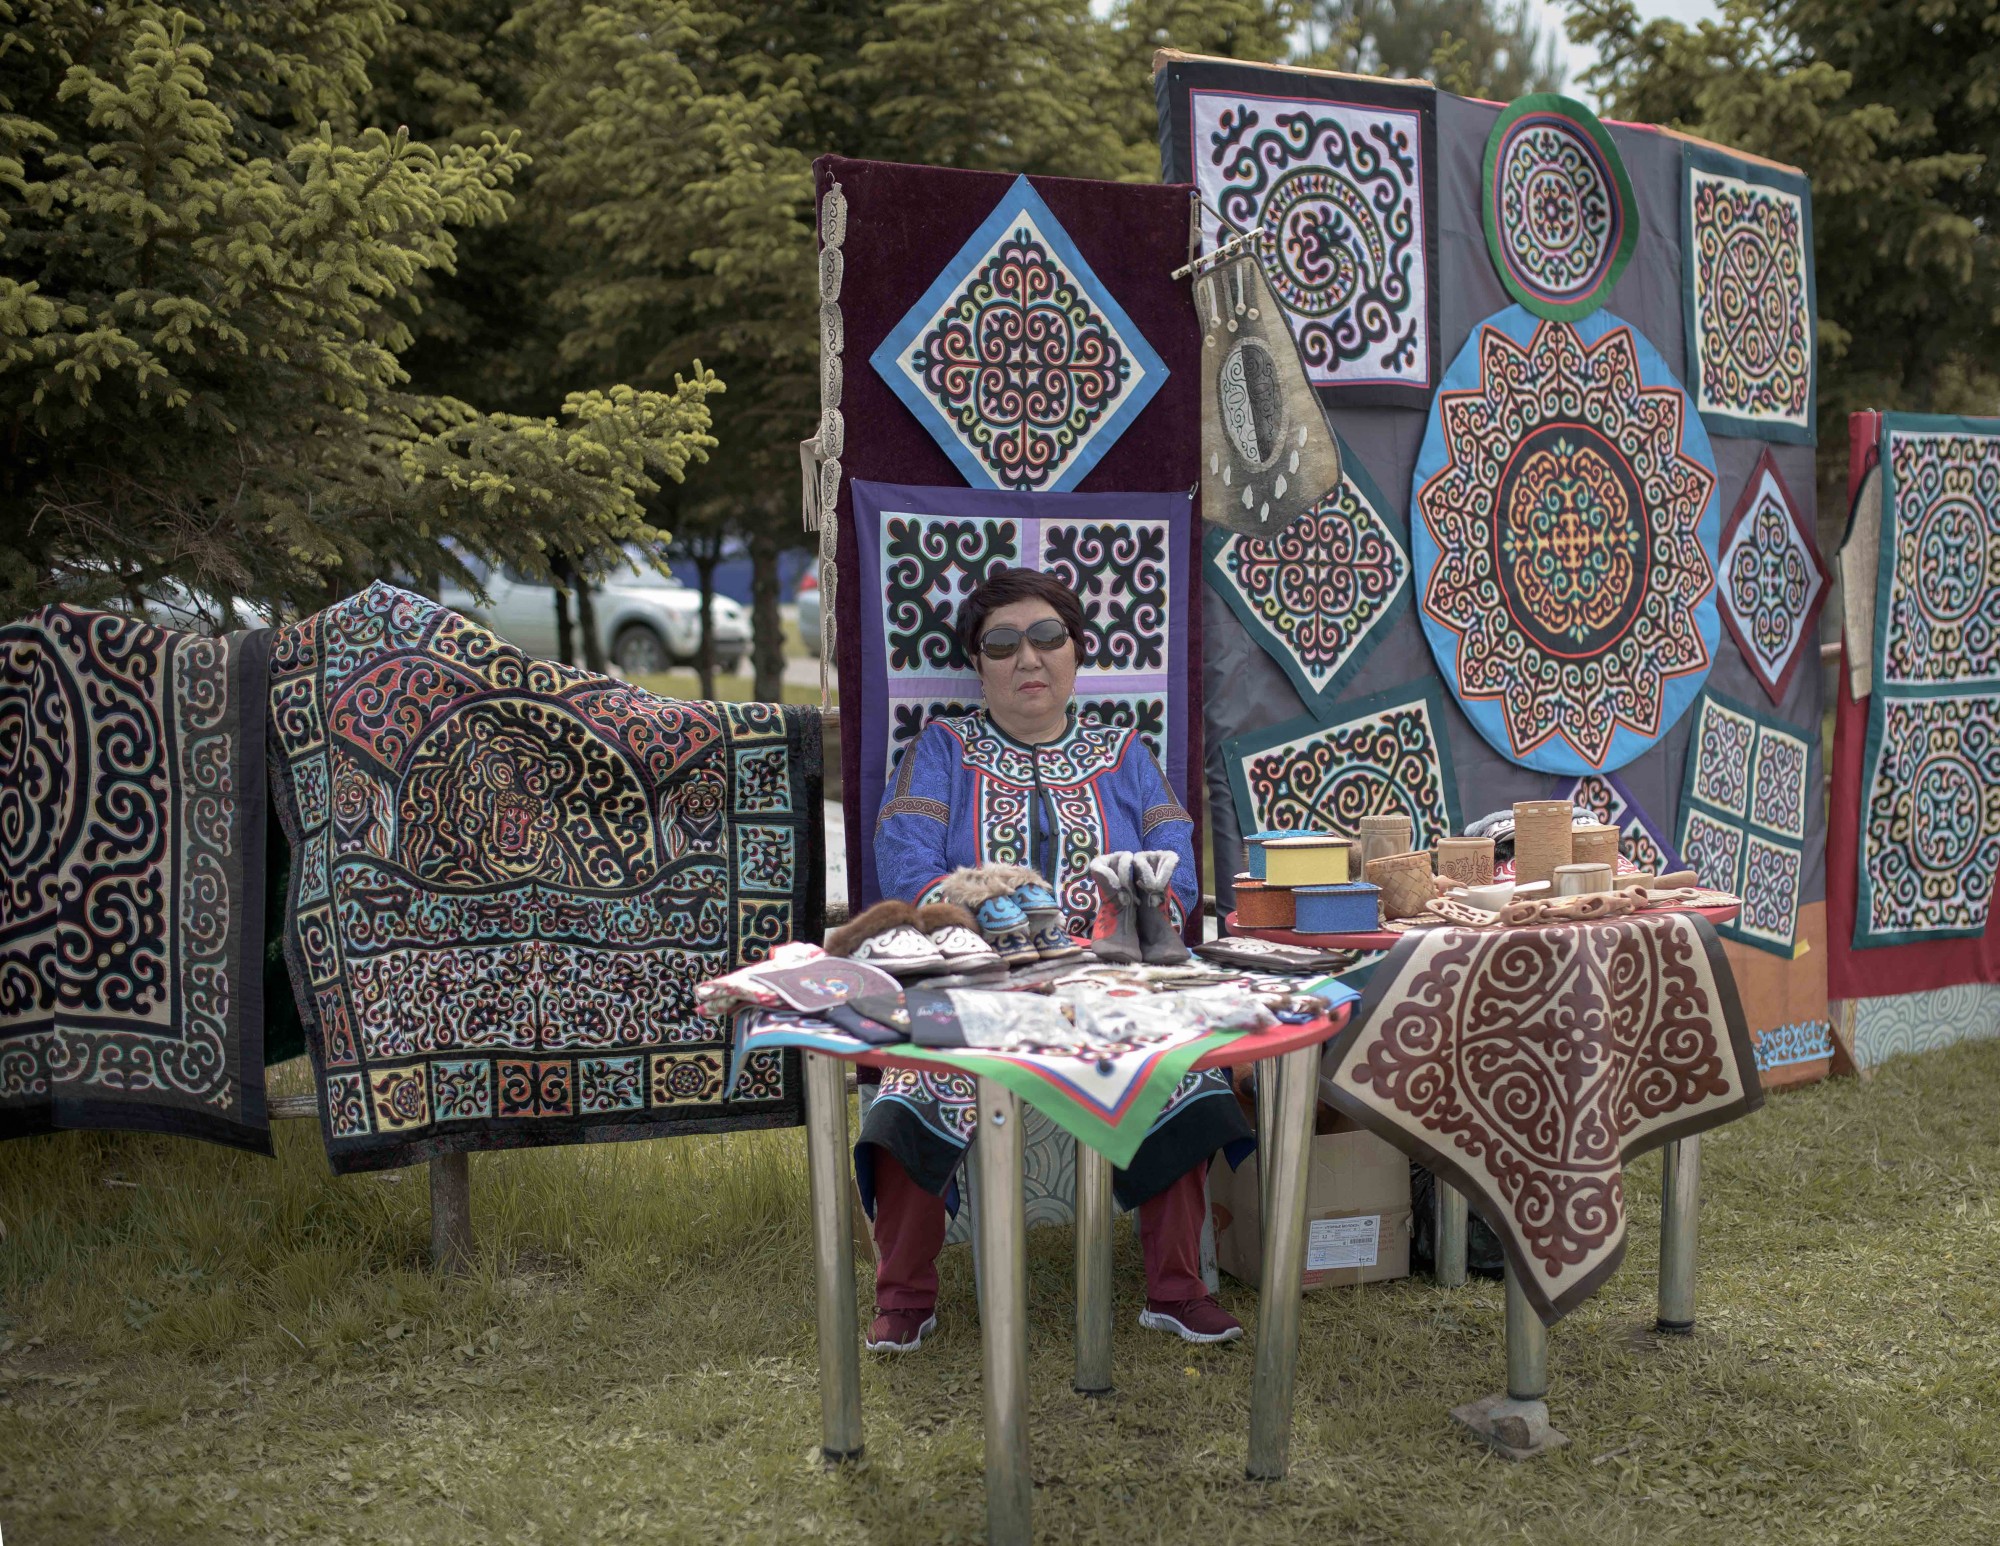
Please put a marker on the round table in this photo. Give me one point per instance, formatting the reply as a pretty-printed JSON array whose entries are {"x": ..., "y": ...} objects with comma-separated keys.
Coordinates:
[{"x": 1285, "y": 1103}]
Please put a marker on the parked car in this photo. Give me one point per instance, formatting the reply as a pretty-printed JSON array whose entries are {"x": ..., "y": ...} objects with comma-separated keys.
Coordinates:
[
  {"x": 648, "y": 621},
  {"x": 808, "y": 604}
]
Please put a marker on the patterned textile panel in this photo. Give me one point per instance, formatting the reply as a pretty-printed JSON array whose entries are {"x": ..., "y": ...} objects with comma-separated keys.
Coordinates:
[
  {"x": 1386, "y": 755},
  {"x": 1924, "y": 1022},
  {"x": 509, "y": 876},
  {"x": 1751, "y": 297},
  {"x": 922, "y": 549},
  {"x": 934, "y": 267},
  {"x": 1279, "y": 664},
  {"x": 132, "y": 879},
  {"x": 1339, "y": 175},
  {"x": 1750, "y": 779},
  {"x": 1930, "y": 800},
  {"x": 1916, "y": 764},
  {"x": 1529, "y": 1065},
  {"x": 1563, "y": 537},
  {"x": 1772, "y": 580},
  {"x": 1317, "y": 594}
]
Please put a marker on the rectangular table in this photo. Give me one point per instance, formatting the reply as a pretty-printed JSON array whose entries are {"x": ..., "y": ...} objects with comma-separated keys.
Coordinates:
[{"x": 1289, "y": 1090}]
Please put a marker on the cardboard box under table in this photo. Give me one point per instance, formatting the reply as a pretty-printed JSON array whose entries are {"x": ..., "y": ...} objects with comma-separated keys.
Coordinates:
[{"x": 1357, "y": 1213}]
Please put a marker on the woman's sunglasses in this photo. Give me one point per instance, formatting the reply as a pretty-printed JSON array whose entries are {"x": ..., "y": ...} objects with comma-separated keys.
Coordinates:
[{"x": 1000, "y": 643}]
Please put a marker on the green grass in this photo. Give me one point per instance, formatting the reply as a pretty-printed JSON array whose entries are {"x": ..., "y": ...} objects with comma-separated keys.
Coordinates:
[
  {"x": 728, "y": 688},
  {"x": 219, "y": 1347}
]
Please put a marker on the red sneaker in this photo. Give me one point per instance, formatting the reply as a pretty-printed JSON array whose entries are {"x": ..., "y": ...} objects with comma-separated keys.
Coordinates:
[
  {"x": 899, "y": 1331},
  {"x": 1192, "y": 1320}
]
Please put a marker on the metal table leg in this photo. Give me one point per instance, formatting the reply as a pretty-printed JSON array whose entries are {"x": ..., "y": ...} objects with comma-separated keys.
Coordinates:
[
  {"x": 1680, "y": 1208},
  {"x": 833, "y": 1258},
  {"x": 1270, "y": 1079},
  {"x": 1288, "y": 1151},
  {"x": 1003, "y": 1239},
  {"x": 1516, "y": 1421},
  {"x": 1452, "y": 1229},
  {"x": 1527, "y": 1346},
  {"x": 1093, "y": 1272}
]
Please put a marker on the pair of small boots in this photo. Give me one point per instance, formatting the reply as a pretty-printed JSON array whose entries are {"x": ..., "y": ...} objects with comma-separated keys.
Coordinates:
[
  {"x": 908, "y": 941},
  {"x": 1017, "y": 911},
  {"x": 1135, "y": 920}
]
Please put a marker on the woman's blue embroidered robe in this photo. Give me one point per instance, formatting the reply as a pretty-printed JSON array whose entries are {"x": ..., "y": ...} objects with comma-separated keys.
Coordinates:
[{"x": 967, "y": 793}]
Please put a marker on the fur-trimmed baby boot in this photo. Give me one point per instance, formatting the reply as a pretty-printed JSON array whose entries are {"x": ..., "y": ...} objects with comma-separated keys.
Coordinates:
[
  {"x": 887, "y": 935},
  {"x": 1114, "y": 930},
  {"x": 1152, "y": 880},
  {"x": 987, "y": 892},
  {"x": 1045, "y": 922}
]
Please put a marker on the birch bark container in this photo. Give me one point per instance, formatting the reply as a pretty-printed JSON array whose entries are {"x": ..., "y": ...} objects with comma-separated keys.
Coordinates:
[
  {"x": 1469, "y": 859},
  {"x": 1377, "y": 837},
  {"x": 1405, "y": 879},
  {"x": 1541, "y": 838}
]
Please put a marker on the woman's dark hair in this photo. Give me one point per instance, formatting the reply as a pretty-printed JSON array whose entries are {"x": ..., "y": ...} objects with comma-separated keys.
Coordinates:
[{"x": 1004, "y": 587}]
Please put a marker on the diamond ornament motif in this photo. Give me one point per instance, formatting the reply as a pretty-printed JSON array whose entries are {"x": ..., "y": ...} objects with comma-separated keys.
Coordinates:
[
  {"x": 1017, "y": 360},
  {"x": 1563, "y": 533},
  {"x": 1317, "y": 594},
  {"x": 1773, "y": 582}
]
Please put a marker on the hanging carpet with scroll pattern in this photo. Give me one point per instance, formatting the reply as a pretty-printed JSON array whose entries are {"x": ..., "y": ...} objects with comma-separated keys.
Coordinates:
[
  {"x": 1563, "y": 528},
  {"x": 1750, "y": 299},
  {"x": 1743, "y": 815},
  {"x": 1527, "y": 1066},
  {"x": 1383, "y": 755},
  {"x": 508, "y": 877},
  {"x": 1773, "y": 580},
  {"x": 1018, "y": 359},
  {"x": 1930, "y": 795},
  {"x": 132, "y": 807},
  {"x": 1339, "y": 175}
]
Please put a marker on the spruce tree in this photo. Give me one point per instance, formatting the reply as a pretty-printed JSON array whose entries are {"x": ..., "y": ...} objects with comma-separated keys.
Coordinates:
[
  {"x": 207, "y": 266},
  {"x": 1892, "y": 112}
]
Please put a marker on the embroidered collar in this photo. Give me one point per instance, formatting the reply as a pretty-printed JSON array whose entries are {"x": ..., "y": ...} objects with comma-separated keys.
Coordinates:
[{"x": 1082, "y": 751}]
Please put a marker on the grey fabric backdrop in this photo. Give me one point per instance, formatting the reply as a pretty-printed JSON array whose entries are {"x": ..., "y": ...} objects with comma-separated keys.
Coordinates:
[{"x": 1245, "y": 690}]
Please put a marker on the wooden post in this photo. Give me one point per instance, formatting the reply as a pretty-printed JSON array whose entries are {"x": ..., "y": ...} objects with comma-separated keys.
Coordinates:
[{"x": 451, "y": 1214}]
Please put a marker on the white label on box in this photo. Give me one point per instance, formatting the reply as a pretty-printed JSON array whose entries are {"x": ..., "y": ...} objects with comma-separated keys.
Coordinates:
[{"x": 1343, "y": 1242}]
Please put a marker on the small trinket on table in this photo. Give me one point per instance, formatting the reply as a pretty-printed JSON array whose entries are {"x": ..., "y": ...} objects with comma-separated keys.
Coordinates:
[
  {"x": 1308, "y": 861},
  {"x": 1354, "y": 908}
]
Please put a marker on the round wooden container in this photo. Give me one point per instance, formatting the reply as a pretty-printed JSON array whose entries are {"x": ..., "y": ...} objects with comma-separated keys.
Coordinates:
[
  {"x": 1376, "y": 837},
  {"x": 1405, "y": 879},
  {"x": 1469, "y": 859},
  {"x": 1594, "y": 845},
  {"x": 1582, "y": 879},
  {"x": 1260, "y": 905},
  {"x": 1541, "y": 838},
  {"x": 1307, "y": 861}
]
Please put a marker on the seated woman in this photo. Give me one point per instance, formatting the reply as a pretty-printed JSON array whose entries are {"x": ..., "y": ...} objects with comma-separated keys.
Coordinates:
[{"x": 1026, "y": 780}]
